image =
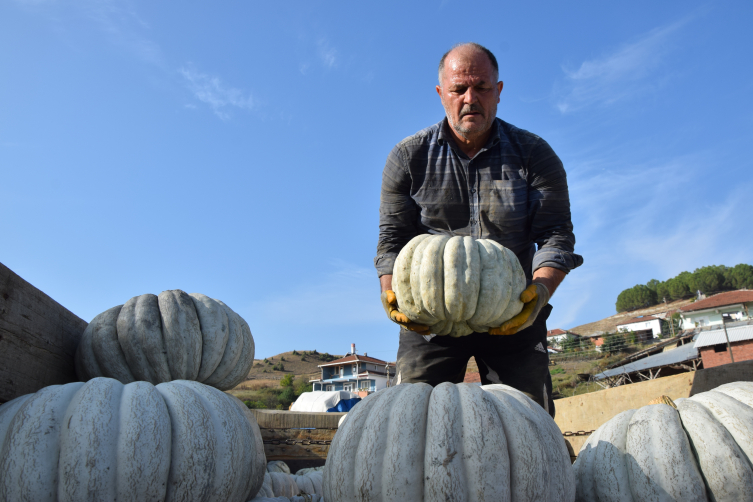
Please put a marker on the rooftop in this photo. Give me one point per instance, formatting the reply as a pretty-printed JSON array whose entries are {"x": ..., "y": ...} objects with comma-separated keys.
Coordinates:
[
  {"x": 715, "y": 337},
  {"x": 555, "y": 332},
  {"x": 352, "y": 358},
  {"x": 681, "y": 354},
  {"x": 721, "y": 300}
]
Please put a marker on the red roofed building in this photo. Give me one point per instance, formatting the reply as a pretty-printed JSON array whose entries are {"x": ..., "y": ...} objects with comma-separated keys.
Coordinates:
[
  {"x": 555, "y": 336},
  {"x": 354, "y": 373},
  {"x": 734, "y": 305}
]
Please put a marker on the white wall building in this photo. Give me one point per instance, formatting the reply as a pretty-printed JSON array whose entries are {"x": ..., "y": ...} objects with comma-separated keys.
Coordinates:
[{"x": 642, "y": 326}]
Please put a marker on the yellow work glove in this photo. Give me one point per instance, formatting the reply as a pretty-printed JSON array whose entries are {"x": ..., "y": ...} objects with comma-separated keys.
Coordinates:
[
  {"x": 389, "y": 302},
  {"x": 534, "y": 297}
]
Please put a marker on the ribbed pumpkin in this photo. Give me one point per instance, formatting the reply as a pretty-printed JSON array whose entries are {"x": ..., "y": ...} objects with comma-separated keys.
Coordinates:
[
  {"x": 170, "y": 336},
  {"x": 457, "y": 285},
  {"x": 702, "y": 448},
  {"x": 105, "y": 441},
  {"x": 416, "y": 443}
]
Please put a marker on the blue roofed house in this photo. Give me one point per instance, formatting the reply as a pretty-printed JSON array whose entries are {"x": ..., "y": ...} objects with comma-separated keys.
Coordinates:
[{"x": 355, "y": 373}]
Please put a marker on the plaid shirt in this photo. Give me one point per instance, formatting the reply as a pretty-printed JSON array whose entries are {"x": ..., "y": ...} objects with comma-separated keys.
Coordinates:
[{"x": 513, "y": 191}]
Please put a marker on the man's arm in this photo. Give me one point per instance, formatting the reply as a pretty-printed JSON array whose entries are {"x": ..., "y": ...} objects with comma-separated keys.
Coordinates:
[
  {"x": 398, "y": 213},
  {"x": 386, "y": 282},
  {"x": 548, "y": 276},
  {"x": 549, "y": 210}
]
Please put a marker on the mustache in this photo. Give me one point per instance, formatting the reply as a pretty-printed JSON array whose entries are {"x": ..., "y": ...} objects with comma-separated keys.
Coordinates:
[{"x": 470, "y": 109}]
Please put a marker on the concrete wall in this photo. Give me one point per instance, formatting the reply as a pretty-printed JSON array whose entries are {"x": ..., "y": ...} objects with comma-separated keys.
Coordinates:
[
  {"x": 38, "y": 338},
  {"x": 741, "y": 351}
]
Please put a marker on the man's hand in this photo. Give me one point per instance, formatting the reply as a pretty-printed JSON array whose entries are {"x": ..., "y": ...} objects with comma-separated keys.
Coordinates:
[
  {"x": 389, "y": 302},
  {"x": 534, "y": 297}
]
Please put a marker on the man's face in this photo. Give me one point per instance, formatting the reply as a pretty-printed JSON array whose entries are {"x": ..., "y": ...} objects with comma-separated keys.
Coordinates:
[{"x": 469, "y": 92}]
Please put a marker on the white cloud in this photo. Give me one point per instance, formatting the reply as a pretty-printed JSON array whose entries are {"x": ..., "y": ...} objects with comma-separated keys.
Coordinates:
[
  {"x": 626, "y": 72},
  {"x": 634, "y": 222},
  {"x": 327, "y": 53},
  {"x": 211, "y": 90}
]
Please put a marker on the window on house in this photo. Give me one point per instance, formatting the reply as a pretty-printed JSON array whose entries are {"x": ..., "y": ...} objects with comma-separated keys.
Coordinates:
[
  {"x": 355, "y": 368},
  {"x": 365, "y": 385},
  {"x": 329, "y": 388},
  {"x": 720, "y": 347}
]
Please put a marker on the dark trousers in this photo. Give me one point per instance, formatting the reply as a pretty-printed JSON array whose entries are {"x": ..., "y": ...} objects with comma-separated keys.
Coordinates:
[{"x": 520, "y": 360}]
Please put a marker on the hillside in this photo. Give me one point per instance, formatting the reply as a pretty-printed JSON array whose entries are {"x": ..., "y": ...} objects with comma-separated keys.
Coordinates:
[
  {"x": 296, "y": 362},
  {"x": 609, "y": 324}
]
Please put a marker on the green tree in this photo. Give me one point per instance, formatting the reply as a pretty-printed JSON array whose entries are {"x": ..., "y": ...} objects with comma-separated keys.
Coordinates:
[
  {"x": 636, "y": 297},
  {"x": 652, "y": 284},
  {"x": 287, "y": 380},
  {"x": 613, "y": 343},
  {"x": 679, "y": 288},
  {"x": 662, "y": 292},
  {"x": 739, "y": 277}
]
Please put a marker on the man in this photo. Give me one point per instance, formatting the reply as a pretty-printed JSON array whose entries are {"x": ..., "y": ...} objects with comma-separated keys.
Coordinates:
[{"x": 474, "y": 174}]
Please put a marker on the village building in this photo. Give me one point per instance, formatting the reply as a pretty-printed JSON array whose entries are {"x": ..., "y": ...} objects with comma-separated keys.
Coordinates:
[
  {"x": 555, "y": 337},
  {"x": 644, "y": 327},
  {"x": 737, "y": 306},
  {"x": 355, "y": 373},
  {"x": 712, "y": 345}
]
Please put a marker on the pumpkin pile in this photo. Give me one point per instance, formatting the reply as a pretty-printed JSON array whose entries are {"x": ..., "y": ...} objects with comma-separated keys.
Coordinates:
[
  {"x": 415, "y": 442},
  {"x": 141, "y": 426},
  {"x": 457, "y": 285},
  {"x": 694, "y": 449},
  {"x": 280, "y": 485}
]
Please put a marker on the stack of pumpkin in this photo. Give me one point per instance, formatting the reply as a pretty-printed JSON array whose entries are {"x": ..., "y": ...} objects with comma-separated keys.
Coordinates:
[
  {"x": 280, "y": 485},
  {"x": 150, "y": 421},
  {"x": 691, "y": 450}
]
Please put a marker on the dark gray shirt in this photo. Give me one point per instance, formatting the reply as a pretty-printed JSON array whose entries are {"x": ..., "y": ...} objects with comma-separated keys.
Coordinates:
[{"x": 513, "y": 191}]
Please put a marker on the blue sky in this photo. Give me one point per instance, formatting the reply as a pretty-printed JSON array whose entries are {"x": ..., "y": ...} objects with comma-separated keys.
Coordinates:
[{"x": 236, "y": 148}]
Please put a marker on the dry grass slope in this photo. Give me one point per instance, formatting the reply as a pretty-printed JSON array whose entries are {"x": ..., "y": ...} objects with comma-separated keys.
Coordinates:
[{"x": 609, "y": 324}]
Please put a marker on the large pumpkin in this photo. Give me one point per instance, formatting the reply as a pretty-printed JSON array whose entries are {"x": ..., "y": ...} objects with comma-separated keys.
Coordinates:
[
  {"x": 173, "y": 336},
  {"x": 701, "y": 449},
  {"x": 105, "y": 441},
  {"x": 451, "y": 442},
  {"x": 457, "y": 285}
]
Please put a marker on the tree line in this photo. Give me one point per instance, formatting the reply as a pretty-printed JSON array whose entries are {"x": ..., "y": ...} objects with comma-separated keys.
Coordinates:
[{"x": 707, "y": 280}]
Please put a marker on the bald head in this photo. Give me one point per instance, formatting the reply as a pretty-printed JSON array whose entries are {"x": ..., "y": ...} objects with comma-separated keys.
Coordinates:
[{"x": 467, "y": 51}]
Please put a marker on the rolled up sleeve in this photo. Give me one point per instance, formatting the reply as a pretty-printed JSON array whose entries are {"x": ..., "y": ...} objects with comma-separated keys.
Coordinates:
[
  {"x": 549, "y": 211},
  {"x": 398, "y": 212}
]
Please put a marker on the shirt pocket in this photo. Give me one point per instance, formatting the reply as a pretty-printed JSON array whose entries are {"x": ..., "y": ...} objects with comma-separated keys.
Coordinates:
[{"x": 508, "y": 205}]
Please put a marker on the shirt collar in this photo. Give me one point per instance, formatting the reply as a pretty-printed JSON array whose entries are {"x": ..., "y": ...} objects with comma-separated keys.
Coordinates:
[{"x": 445, "y": 135}]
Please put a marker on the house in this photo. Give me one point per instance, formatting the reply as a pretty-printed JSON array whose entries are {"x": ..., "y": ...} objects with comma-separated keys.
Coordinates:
[
  {"x": 354, "y": 373},
  {"x": 712, "y": 344},
  {"x": 737, "y": 306},
  {"x": 645, "y": 327},
  {"x": 555, "y": 337}
]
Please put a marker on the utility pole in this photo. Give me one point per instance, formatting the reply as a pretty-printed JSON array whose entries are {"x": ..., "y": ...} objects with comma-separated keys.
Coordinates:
[{"x": 724, "y": 326}]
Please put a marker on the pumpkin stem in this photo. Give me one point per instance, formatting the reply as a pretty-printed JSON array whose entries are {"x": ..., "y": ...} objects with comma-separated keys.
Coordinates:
[{"x": 664, "y": 400}]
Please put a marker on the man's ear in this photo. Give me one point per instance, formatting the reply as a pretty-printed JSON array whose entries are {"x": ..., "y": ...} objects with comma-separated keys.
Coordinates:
[
  {"x": 439, "y": 90},
  {"x": 500, "y": 84}
]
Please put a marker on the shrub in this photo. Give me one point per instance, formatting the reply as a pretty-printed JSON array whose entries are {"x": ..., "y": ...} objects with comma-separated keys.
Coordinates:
[
  {"x": 287, "y": 381},
  {"x": 278, "y": 367}
]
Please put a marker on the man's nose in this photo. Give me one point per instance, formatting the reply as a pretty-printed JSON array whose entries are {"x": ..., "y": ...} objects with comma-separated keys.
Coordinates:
[{"x": 470, "y": 96}]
